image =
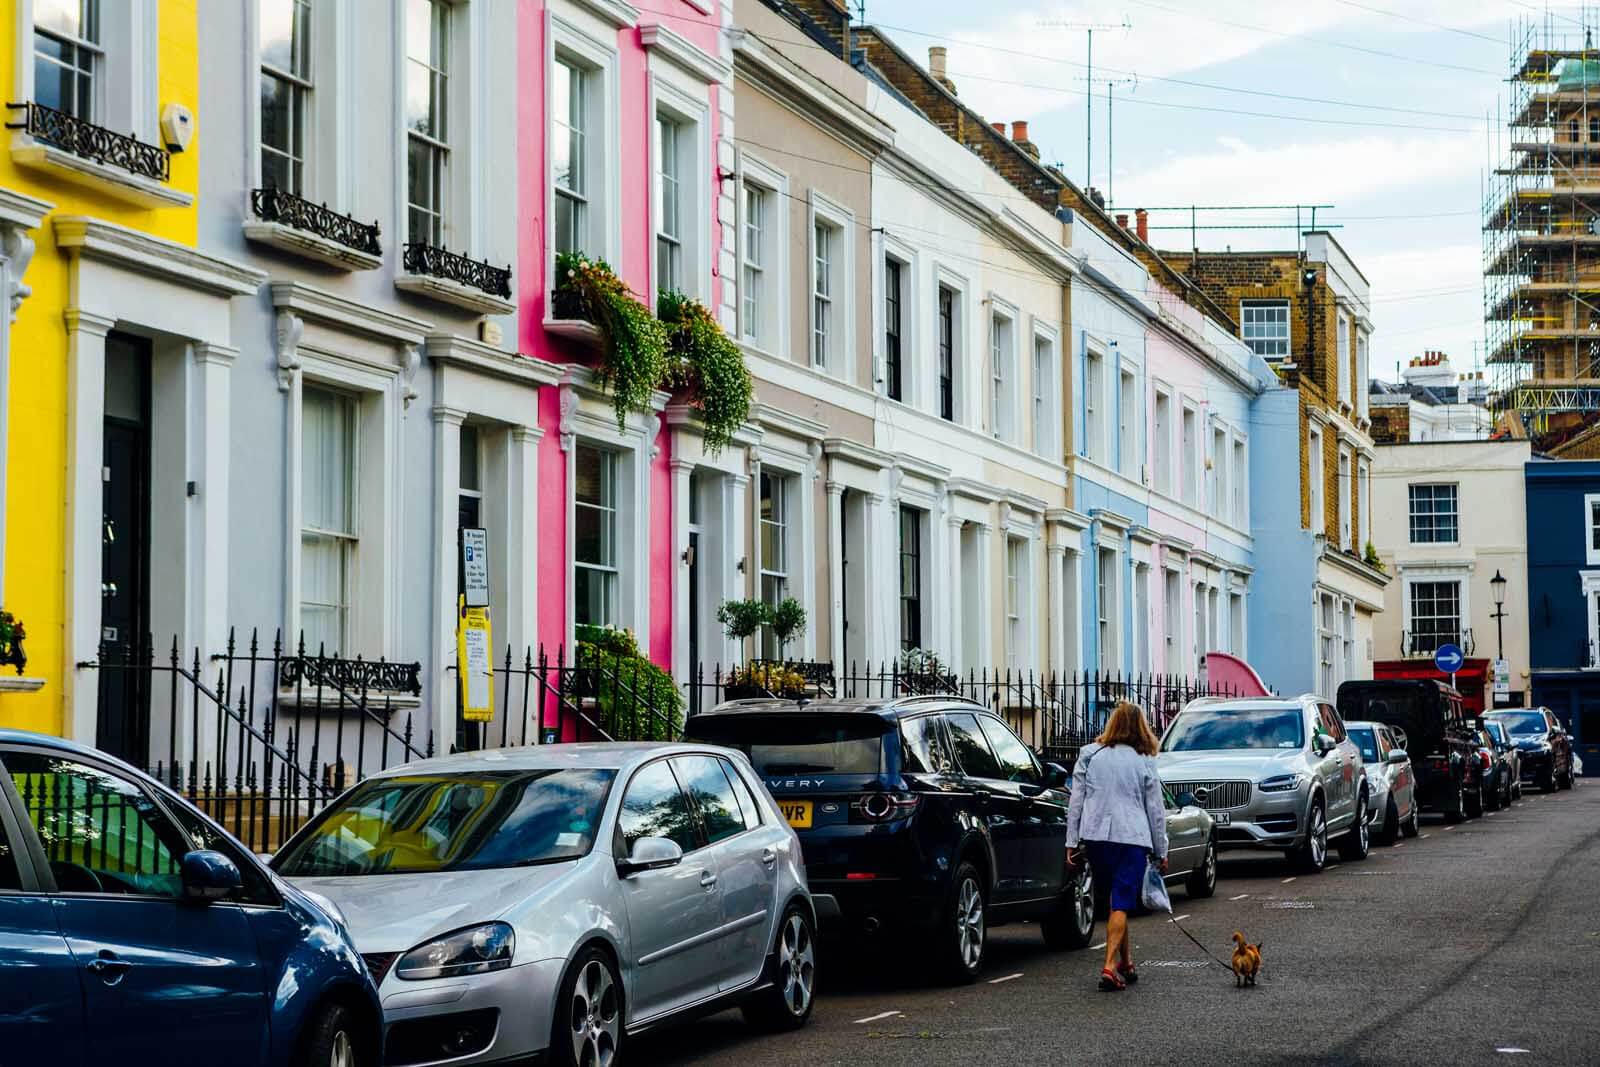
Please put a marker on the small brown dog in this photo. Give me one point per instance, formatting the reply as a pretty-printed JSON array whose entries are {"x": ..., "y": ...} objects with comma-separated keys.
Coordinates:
[{"x": 1246, "y": 960}]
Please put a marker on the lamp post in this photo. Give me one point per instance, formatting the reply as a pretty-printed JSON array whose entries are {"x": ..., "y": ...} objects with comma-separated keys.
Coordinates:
[{"x": 1497, "y": 587}]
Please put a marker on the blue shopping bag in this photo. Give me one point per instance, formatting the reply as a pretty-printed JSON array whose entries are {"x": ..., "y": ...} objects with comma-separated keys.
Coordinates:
[{"x": 1153, "y": 895}]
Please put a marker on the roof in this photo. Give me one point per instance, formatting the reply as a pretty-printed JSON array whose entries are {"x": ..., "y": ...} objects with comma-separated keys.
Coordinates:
[
  {"x": 590, "y": 755},
  {"x": 10, "y": 736},
  {"x": 887, "y": 707}
]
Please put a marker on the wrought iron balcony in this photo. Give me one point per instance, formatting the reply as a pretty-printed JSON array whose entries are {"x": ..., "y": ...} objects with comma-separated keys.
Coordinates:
[
  {"x": 420, "y": 258},
  {"x": 1415, "y": 645},
  {"x": 88, "y": 141},
  {"x": 275, "y": 205}
]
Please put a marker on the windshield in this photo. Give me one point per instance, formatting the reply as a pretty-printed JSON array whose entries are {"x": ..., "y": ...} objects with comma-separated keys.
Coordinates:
[
  {"x": 1496, "y": 731},
  {"x": 1225, "y": 728},
  {"x": 800, "y": 744},
  {"x": 1522, "y": 723},
  {"x": 453, "y": 822},
  {"x": 1366, "y": 741}
]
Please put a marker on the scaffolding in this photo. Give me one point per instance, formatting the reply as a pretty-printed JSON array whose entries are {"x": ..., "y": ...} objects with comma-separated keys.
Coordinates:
[{"x": 1541, "y": 230}]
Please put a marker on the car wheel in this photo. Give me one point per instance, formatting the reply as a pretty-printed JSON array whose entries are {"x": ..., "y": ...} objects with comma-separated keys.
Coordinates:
[
  {"x": 1547, "y": 781},
  {"x": 1516, "y": 788},
  {"x": 1355, "y": 844},
  {"x": 1072, "y": 924},
  {"x": 1474, "y": 800},
  {"x": 331, "y": 1039},
  {"x": 1312, "y": 855},
  {"x": 1391, "y": 823},
  {"x": 1491, "y": 799},
  {"x": 1413, "y": 823},
  {"x": 588, "y": 1023},
  {"x": 1203, "y": 879},
  {"x": 1565, "y": 781},
  {"x": 1458, "y": 810},
  {"x": 964, "y": 932},
  {"x": 785, "y": 1004}
]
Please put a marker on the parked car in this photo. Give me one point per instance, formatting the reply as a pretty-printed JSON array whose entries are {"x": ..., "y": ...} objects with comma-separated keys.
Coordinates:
[
  {"x": 1274, "y": 773},
  {"x": 133, "y": 929},
  {"x": 922, "y": 815},
  {"x": 556, "y": 900},
  {"x": 1500, "y": 759},
  {"x": 1544, "y": 746},
  {"x": 1191, "y": 845},
  {"x": 1439, "y": 739},
  {"x": 1391, "y": 778}
]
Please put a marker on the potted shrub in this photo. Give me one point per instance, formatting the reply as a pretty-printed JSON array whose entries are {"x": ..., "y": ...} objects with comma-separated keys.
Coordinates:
[
  {"x": 740, "y": 619},
  {"x": 633, "y": 351},
  {"x": 706, "y": 367},
  {"x": 11, "y": 635},
  {"x": 922, "y": 672},
  {"x": 631, "y": 698},
  {"x": 764, "y": 680},
  {"x": 787, "y": 620},
  {"x": 1370, "y": 557}
]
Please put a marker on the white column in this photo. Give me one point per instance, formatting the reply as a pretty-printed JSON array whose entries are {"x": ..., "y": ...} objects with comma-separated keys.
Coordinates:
[
  {"x": 447, "y": 487},
  {"x": 522, "y": 541},
  {"x": 955, "y": 654},
  {"x": 86, "y": 402},
  {"x": 984, "y": 608},
  {"x": 1055, "y": 579},
  {"x": 735, "y": 583},
  {"x": 875, "y": 642},
  {"x": 681, "y": 470},
  {"x": 835, "y": 493},
  {"x": 212, "y": 418}
]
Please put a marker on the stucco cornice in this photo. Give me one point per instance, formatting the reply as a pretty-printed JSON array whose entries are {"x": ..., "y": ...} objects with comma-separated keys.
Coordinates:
[
  {"x": 788, "y": 422},
  {"x": 140, "y": 252},
  {"x": 454, "y": 350},
  {"x": 342, "y": 313},
  {"x": 19, "y": 209},
  {"x": 618, "y": 13},
  {"x": 792, "y": 86},
  {"x": 669, "y": 44}
]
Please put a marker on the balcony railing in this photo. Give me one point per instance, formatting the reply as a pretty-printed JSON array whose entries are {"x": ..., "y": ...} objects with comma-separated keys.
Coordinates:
[
  {"x": 420, "y": 258},
  {"x": 275, "y": 205},
  {"x": 1414, "y": 645},
  {"x": 81, "y": 138}
]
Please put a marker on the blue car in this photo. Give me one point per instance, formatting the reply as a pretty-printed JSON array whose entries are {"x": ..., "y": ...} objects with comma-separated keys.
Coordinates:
[{"x": 135, "y": 930}]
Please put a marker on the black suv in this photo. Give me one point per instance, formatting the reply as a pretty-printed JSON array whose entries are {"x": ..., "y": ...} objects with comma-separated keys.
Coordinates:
[
  {"x": 1546, "y": 748},
  {"x": 1441, "y": 740},
  {"x": 921, "y": 814}
]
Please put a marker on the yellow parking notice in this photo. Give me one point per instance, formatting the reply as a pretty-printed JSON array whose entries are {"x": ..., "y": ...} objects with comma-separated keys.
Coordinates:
[{"x": 474, "y": 666}]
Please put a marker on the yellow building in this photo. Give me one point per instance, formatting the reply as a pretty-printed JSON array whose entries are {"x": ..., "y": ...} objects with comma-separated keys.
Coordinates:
[{"x": 98, "y": 221}]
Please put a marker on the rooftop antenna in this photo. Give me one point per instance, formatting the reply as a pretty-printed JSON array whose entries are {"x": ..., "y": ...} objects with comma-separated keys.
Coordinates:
[
  {"x": 1131, "y": 83},
  {"x": 1088, "y": 100}
]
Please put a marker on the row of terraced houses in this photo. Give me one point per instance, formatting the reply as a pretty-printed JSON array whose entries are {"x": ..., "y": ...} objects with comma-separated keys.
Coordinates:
[{"x": 280, "y": 280}]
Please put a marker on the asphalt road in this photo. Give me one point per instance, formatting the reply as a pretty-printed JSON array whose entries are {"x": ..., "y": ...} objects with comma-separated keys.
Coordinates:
[{"x": 1478, "y": 943}]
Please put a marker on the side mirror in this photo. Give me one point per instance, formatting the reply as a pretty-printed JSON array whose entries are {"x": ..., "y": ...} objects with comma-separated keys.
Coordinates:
[
  {"x": 1398, "y": 755},
  {"x": 1321, "y": 744},
  {"x": 208, "y": 876},
  {"x": 1056, "y": 776},
  {"x": 650, "y": 854},
  {"x": 1186, "y": 799}
]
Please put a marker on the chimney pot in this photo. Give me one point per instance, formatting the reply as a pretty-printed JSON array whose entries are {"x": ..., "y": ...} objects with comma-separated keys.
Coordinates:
[
  {"x": 1019, "y": 131},
  {"x": 1122, "y": 220},
  {"x": 1141, "y": 224},
  {"x": 936, "y": 60},
  {"x": 999, "y": 127}
]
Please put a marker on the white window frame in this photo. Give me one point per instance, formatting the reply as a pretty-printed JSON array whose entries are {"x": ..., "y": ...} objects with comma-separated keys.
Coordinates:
[
  {"x": 1591, "y": 501},
  {"x": 588, "y": 419},
  {"x": 1363, "y": 374},
  {"x": 764, "y": 324},
  {"x": 1108, "y": 605},
  {"x": 905, "y": 257},
  {"x": 584, "y": 45},
  {"x": 1241, "y": 481},
  {"x": 789, "y": 488},
  {"x": 839, "y": 221},
  {"x": 346, "y": 540},
  {"x": 1317, "y": 513},
  {"x": 1342, "y": 354},
  {"x": 1590, "y": 583},
  {"x": 1191, "y": 446},
  {"x": 611, "y": 572},
  {"x": 1016, "y": 572},
  {"x": 1260, "y": 332},
  {"x": 1172, "y": 616},
  {"x": 1129, "y": 418},
  {"x": 1045, "y": 379},
  {"x": 1001, "y": 347},
  {"x": 440, "y": 143},
  {"x": 1141, "y": 616},
  {"x": 1327, "y": 637},
  {"x": 1219, "y": 505},
  {"x": 1363, "y": 505},
  {"x": 1096, "y": 411},
  {"x": 1237, "y": 630},
  {"x": 681, "y": 98},
  {"x": 960, "y": 410},
  {"x": 124, "y": 90},
  {"x": 1163, "y": 452},
  {"x": 1346, "y": 482},
  {"x": 1456, "y": 487}
]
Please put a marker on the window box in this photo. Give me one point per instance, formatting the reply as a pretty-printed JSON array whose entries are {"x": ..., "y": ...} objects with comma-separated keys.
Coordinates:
[
  {"x": 94, "y": 157},
  {"x": 294, "y": 224},
  {"x": 578, "y": 331},
  {"x": 455, "y": 279},
  {"x": 24, "y": 684}
]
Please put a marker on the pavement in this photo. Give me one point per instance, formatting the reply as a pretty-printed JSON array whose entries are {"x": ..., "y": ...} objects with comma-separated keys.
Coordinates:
[{"x": 1477, "y": 943}]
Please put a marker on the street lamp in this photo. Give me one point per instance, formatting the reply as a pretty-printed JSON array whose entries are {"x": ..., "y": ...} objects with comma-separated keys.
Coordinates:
[{"x": 1497, "y": 588}]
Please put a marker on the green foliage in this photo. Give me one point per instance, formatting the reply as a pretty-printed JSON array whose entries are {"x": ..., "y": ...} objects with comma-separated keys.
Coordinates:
[
  {"x": 741, "y": 618},
  {"x": 773, "y": 678},
  {"x": 11, "y": 635},
  {"x": 633, "y": 360},
  {"x": 636, "y": 699},
  {"x": 1370, "y": 557},
  {"x": 704, "y": 362},
  {"x": 787, "y": 620}
]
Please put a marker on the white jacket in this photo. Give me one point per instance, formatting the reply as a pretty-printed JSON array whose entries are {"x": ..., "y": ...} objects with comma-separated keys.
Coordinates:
[{"x": 1116, "y": 796}]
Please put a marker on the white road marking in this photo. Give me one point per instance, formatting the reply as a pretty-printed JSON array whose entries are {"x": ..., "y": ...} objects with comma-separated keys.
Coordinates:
[
  {"x": 1449, "y": 827},
  {"x": 1421, "y": 836},
  {"x": 1178, "y": 918},
  {"x": 880, "y": 1015},
  {"x": 1100, "y": 945},
  {"x": 1241, "y": 896},
  {"x": 1509, "y": 1050},
  {"x": 1289, "y": 879},
  {"x": 1007, "y": 978},
  {"x": 1402, "y": 844}
]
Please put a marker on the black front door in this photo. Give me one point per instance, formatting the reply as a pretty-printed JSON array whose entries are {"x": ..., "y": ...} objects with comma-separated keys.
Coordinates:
[{"x": 123, "y": 728}]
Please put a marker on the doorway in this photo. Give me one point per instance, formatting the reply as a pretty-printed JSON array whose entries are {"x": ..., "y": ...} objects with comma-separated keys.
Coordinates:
[{"x": 123, "y": 715}]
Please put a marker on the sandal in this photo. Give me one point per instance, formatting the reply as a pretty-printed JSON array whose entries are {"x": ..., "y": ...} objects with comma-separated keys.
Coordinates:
[
  {"x": 1129, "y": 975},
  {"x": 1111, "y": 981}
]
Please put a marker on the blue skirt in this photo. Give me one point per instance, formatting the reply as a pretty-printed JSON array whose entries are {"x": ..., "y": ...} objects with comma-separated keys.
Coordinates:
[{"x": 1121, "y": 868}]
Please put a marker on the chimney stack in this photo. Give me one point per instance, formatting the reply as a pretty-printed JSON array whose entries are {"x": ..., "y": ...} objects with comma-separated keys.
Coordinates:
[
  {"x": 936, "y": 67},
  {"x": 1019, "y": 134},
  {"x": 999, "y": 127},
  {"x": 1122, "y": 220},
  {"x": 1141, "y": 224}
]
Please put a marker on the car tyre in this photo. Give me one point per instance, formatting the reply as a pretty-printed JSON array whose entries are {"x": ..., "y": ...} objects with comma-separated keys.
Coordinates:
[
  {"x": 1565, "y": 781},
  {"x": 1071, "y": 925},
  {"x": 785, "y": 1004},
  {"x": 1457, "y": 811},
  {"x": 1491, "y": 800},
  {"x": 1473, "y": 806},
  {"x": 1391, "y": 823},
  {"x": 1202, "y": 881},
  {"x": 1413, "y": 824},
  {"x": 963, "y": 927},
  {"x": 588, "y": 1027},
  {"x": 1312, "y": 854},
  {"x": 1357, "y": 842},
  {"x": 332, "y": 1039}
]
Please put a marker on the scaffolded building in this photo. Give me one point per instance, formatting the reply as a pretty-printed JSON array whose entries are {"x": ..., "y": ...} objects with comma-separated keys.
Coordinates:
[{"x": 1542, "y": 236}]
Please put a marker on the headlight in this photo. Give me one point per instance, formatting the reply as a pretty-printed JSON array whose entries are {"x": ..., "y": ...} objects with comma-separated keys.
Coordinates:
[
  {"x": 470, "y": 951},
  {"x": 1281, "y": 783}
]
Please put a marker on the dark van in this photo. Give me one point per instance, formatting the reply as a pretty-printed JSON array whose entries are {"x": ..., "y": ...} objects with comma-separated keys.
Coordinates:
[
  {"x": 1439, "y": 738},
  {"x": 920, "y": 815}
]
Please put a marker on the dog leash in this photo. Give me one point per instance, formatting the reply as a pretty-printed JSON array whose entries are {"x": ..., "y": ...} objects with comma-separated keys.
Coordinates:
[{"x": 1199, "y": 946}]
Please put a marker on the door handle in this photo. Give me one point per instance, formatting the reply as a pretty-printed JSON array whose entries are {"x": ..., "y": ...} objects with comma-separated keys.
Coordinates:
[
  {"x": 707, "y": 879},
  {"x": 769, "y": 857},
  {"x": 108, "y": 967}
]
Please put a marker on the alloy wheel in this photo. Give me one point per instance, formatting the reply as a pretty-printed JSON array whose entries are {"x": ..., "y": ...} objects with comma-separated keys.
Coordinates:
[
  {"x": 1208, "y": 866},
  {"x": 341, "y": 1053},
  {"x": 969, "y": 923},
  {"x": 596, "y": 1020},
  {"x": 797, "y": 965},
  {"x": 1363, "y": 831},
  {"x": 1083, "y": 901},
  {"x": 1319, "y": 837}
]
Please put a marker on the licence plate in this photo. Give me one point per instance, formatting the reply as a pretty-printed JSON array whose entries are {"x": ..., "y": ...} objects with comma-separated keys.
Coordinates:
[
  {"x": 1221, "y": 818},
  {"x": 798, "y": 812}
]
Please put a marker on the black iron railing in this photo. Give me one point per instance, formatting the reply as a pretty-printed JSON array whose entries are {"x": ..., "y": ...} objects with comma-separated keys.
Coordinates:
[
  {"x": 359, "y": 675},
  {"x": 1414, "y": 644},
  {"x": 275, "y": 205},
  {"x": 72, "y": 134},
  {"x": 420, "y": 258}
]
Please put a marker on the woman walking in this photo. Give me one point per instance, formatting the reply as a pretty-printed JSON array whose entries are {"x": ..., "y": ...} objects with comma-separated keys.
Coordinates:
[{"x": 1118, "y": 817}]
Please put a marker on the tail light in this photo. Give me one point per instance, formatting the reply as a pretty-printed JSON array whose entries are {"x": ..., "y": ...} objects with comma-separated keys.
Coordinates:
[
  {"x": 884, "y": 807},
  {"x": 1483, "y": 754},
  {"x": 1439, "y": 763}
]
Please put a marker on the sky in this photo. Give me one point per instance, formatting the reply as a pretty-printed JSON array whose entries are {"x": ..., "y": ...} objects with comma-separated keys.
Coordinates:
[{"x": 1384, "y": 109}]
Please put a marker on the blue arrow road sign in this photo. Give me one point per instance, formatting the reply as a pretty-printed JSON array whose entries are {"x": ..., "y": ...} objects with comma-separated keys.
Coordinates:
[{"x": 1448, "y": 659}]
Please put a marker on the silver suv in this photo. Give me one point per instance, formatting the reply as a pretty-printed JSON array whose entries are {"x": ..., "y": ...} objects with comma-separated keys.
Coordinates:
[{"x": 1276, "y": 773}]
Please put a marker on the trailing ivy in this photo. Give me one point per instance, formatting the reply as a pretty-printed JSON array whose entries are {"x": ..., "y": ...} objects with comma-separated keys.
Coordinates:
[
  {"x": 633, "y": 358},
  {"x": 707, "y": 365}
]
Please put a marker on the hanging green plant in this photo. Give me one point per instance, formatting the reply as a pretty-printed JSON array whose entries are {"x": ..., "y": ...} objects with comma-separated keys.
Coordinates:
[
  {"x": 11, "y": 635},
  {"x": 706, "y": 364},
  {"x": 633, "y": 358}
]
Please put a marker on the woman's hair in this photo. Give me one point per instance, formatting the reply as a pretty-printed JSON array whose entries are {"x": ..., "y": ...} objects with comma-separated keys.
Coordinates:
[{"x": 1127, "y": 727}]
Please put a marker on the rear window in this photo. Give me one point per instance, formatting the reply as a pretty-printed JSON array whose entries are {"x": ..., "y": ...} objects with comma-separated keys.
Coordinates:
[
  {"x": 1413, "y": 710},
  {"x": 800, "y": 744},
  {"x": 1522, "y": 723}
]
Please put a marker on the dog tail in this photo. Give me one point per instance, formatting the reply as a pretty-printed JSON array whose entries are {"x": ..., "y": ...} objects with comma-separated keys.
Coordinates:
[{"x": 1238, "y": 939}]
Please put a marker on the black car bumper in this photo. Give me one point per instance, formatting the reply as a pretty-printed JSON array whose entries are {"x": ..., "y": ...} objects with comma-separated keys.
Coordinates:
[{"x": 879, "y": 905}]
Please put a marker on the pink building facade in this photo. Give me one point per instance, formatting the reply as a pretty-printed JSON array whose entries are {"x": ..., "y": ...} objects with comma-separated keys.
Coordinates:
[{"x": 625, "y": 119}]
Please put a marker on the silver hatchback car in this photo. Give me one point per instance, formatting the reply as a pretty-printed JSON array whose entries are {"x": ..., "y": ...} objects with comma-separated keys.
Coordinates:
[
  {"x": 558, "y": 899},
  {"x": 1275, "y": 773}
]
